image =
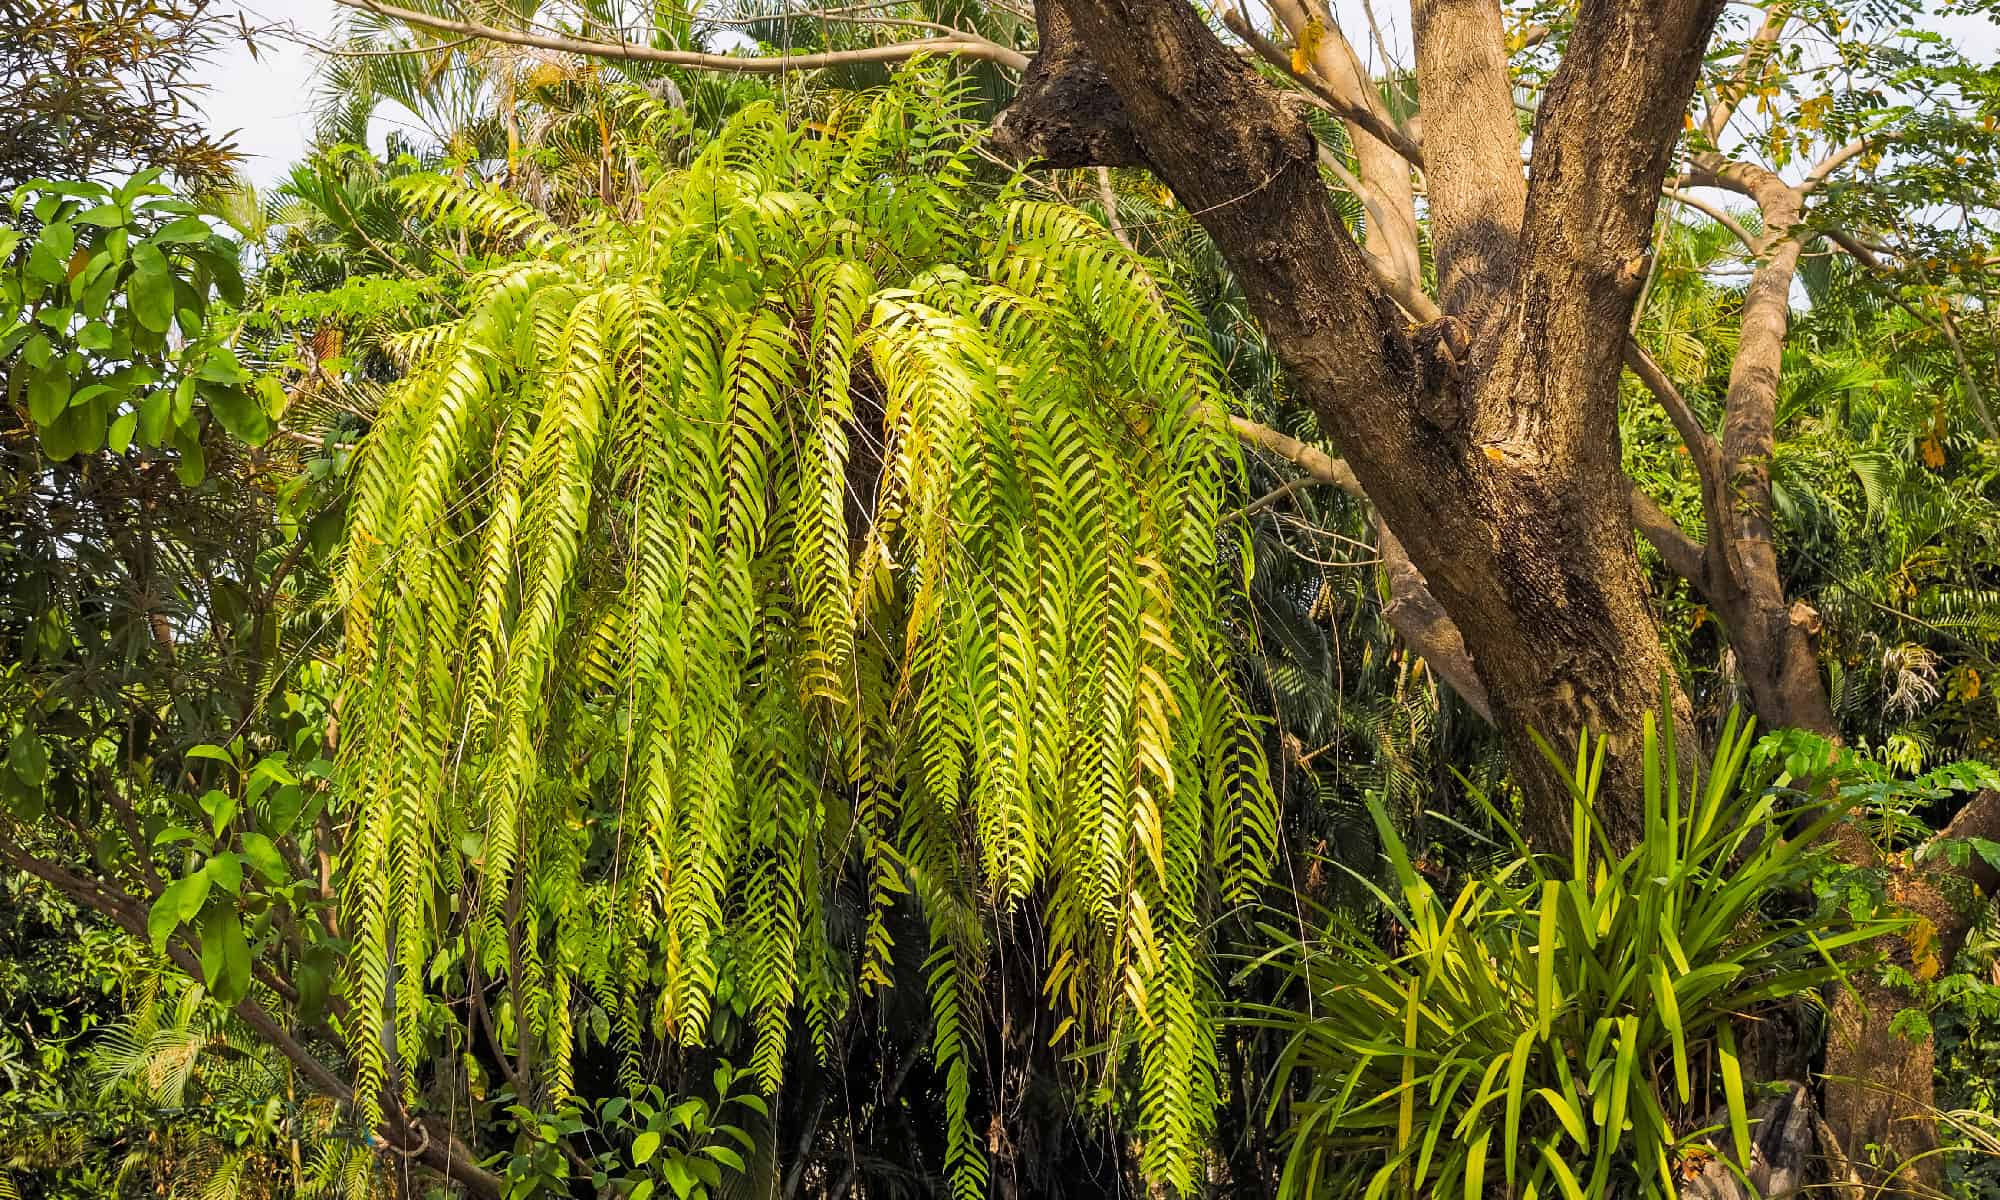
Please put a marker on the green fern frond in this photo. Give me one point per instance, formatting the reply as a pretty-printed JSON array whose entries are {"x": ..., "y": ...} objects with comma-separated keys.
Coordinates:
[{"x": 832, "y": 519}]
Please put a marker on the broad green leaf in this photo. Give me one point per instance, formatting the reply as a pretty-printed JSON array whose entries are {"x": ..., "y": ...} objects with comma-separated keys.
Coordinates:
[
  {"x": 262, "y": 855},
  {"x": 314, "y": 977},
  {"x": 1517, "y": 1071},
  {"x": 182, "y": 230},
  {"x": 152, "y": 288},
  {"x": 48, "y": 262},
  {"x": 1545, "y": 959},
  {"x": 644, "y": 1147},
  {"x": 220, "y": 807},
  {"x": 225, "y": 954},
  {"x": 239, "y": 411},
  {"x": 28, "y": 758},
  {"x": 1475, "y": 1165},
  {"x": 177, "y": 904},
  {"x": 48, "y": 395},
  {"x": 226, "y": 870}
]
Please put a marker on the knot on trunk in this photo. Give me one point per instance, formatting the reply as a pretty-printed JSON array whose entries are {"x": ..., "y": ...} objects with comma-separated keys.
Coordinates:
[
  {"x": 1066, "y": 115},
  {"x": 1443, "y": 351}
]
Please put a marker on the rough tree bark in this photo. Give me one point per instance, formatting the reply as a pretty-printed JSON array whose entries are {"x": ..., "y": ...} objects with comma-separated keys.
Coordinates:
[
  {"x": 1879, "y": 1084},
  {"x": 1486, "y": 438}
]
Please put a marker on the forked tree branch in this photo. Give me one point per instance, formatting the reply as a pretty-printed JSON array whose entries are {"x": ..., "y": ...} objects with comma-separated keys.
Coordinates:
[{"x": 1342, "y": 104}]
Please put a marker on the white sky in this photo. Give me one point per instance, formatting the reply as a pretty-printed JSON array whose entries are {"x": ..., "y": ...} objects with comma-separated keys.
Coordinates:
[{"x": 268, "y": 100}]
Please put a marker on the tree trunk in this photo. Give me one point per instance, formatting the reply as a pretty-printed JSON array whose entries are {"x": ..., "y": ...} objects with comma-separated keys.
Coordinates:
[
  {"x": 1880, "y": 1084},
  {"x": 1487, "y": 439}
]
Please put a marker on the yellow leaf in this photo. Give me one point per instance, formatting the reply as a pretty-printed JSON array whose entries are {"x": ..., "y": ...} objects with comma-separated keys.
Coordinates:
[
  {"x": 1308, "y": 46},
  {"x": 1923, "y": 949}
]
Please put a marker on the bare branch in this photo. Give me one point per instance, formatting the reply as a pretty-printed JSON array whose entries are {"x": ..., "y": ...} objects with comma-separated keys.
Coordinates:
[
  {"x": 1323, "y": 467},
  {"x": 960, "y": 44},
  {"x": 1414, "y": 613},
  {"x": 1404, "y": 289},
  {"x": 1108, "y": 197},
  {"x": 1968, "y": 378},
  {"x": 1825, "y": 167},
  {"x": 1715, "y": 213},
  {"x": 1683, "y": 555}
]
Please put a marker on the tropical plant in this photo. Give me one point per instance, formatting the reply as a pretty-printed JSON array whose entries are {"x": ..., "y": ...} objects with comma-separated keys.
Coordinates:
[
  {"x": 838, "y": 518},
  {"x": 1549, "y": 1023},
  {"x": 87, "y": 315},
  {"x": 105, "y": 87}
]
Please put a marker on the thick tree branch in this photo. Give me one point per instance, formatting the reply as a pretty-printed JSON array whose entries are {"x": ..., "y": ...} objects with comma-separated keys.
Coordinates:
[
  {"x": 1683, "y": 555},
  {"x": 1066, "y": 114},
  {"x": 1980, "y": 818},
  {"x": 1477, "y": 193},
  {"x": 1423, "y": 623},
  {"x": 1412, "y": 610},
  {"x": 1603, "y": 136},
  {"x": 960, "y": 44},
  {"x": 1702, "y": 448},
  {"x": 1406, "y": 290}
]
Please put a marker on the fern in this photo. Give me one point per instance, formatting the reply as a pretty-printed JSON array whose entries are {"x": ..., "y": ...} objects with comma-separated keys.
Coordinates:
[{"x": 833, "y": 518}]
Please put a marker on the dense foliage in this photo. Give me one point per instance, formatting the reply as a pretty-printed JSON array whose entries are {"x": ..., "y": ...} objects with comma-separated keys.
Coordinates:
[{"x": 672, "y": 633}]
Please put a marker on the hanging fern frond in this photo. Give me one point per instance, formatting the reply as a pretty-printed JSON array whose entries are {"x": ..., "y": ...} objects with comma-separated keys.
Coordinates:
[{"x": 834, "y": 518}]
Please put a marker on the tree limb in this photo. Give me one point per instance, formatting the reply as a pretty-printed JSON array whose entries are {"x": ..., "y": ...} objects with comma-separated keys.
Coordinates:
[
  {"x": 1345, "y": 104},
  {"x": 1683, "y": 555},
  {"x": 1476, "y": 191},
  {"x": 1715, "y": 213},
  {"x": 1755, "y": 53},
  {"x": 1701, "y": 445},
  {"x": 1825, "y": 167},
  {"x": 958, "y": 43}
]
